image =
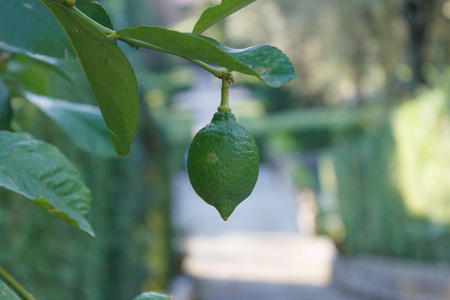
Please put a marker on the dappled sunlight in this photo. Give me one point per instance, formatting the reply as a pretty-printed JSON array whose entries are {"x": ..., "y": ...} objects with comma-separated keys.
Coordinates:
[
  {"x": 422, "y": 135},
  {"x": 271, "y": 257}
]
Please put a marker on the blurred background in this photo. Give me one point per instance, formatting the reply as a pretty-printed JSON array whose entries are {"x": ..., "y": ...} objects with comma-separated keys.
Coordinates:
[{"x": 353, "y": 196}]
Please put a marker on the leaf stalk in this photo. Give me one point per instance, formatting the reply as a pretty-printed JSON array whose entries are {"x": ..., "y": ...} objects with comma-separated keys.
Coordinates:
[
  {"x": 112, "y": 35},
  {"x": 217, "y": 72},
  {"x": 8, "y": 279}
]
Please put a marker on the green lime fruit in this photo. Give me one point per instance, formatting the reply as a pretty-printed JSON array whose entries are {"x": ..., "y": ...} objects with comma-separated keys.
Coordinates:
[{"x": 223, "y": 163}]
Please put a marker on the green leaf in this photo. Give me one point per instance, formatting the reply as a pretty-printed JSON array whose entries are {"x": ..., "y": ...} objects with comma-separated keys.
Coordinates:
[
  {"x": 95, "y": 11},
  {"x": 49, "y": 63},
  {"x": 216, "y": 13},
  {"x": 263, "y": 61},
  {"x": 6, "y": 293},
  {"x": 32, "y": 77},
  {"x": 82, "y": 123},
  {"x": 5, "y": 107},
  {"x": 29, "y": 28},
  {"x": 42, "y": 174},
  {"x": 108, "y": 72},
  {"x": 152, "y": 296}
]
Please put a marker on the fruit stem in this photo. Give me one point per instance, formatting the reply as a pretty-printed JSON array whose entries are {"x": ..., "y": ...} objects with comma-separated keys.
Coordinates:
[
  {"x": 11, "y": 282},
  {"x": 227, "y": 79}
]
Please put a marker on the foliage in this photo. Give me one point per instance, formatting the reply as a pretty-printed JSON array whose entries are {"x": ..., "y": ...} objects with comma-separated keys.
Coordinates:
[
  {"x": 331, "y": 120},
  {"x": 216, "y": 13},
  {"x": 263, "y": 61},
  {"x": 108, "y": 72},
  {"x": 29, "y": 39},
  {"x": 82, "y": 123},
  {"x": 7, "y": 293},
  {"x": 302, "y": 177},
  {"x": 350, "y": 52},
  {"x": 127, "y": 243},
  {"x": 391, "y": 199},
  {"x": 42, "y": 173},
  {"x": 111, "y": 77},
  {"x": 422, "y": 133},
  {"x": 5, "y": 108}
]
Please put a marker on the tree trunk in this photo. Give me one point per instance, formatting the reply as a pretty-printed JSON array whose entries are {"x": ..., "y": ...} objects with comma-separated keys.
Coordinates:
[{"x": 418, "y": 15}]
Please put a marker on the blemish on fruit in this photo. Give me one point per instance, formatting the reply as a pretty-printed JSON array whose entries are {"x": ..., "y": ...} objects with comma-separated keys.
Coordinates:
[
  {"x": 75, "y": 29},
  {"x": 212, "y": 157}
]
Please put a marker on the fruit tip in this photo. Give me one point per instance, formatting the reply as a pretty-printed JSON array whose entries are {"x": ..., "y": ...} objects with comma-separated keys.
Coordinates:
[
  {"x": 224, "y": 216},
  {"x": 225, "y": 213}
]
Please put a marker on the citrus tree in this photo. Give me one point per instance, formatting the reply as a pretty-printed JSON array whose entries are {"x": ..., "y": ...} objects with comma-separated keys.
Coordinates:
[{"x": 40, "y": 172}]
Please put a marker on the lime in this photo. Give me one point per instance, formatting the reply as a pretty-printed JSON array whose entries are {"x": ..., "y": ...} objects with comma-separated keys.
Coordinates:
[{"x": 223, "y": 163}]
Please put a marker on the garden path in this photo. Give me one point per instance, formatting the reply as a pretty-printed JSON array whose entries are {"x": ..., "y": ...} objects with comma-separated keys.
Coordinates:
[{"x": 259, "y": 253}]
